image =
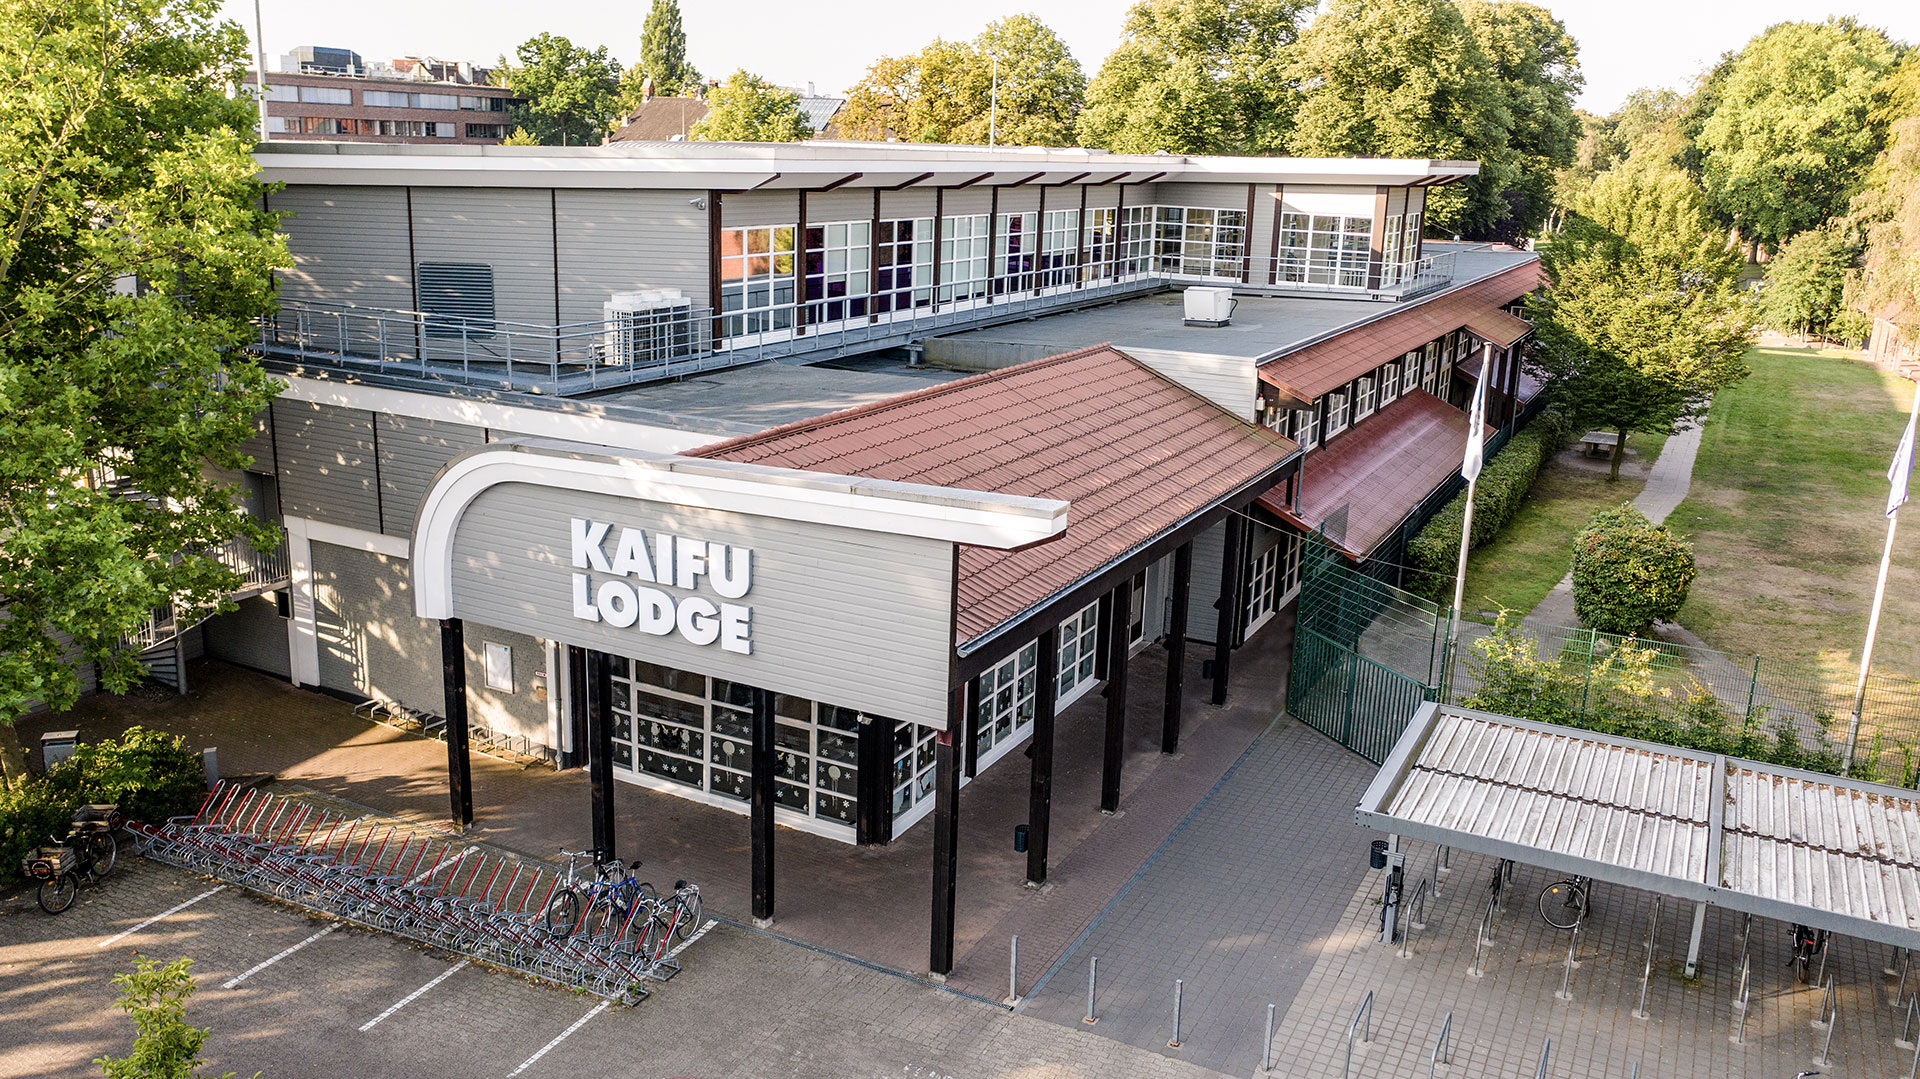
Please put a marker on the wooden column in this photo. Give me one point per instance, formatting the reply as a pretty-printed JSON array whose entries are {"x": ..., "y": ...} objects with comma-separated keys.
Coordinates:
[
  {"x": 600, "y": 747},
  {"x": 453, "y": 676},
  {"x": 762, "y": 814},
  {"x": 946, "y": 839},
  {"x": 874, "y": 825},
  {"x": 1177, "y": 649},
  {"x": 1040, "y": 789},
  {"x": 1228, "y": 605},
  {"x": 1115, "y": 750}
]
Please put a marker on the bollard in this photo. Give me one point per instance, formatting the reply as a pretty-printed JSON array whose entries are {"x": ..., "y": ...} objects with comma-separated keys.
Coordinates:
[
  {"x": 1013, "y": 971},
  {"x": 1093, "y": 973},
  {"x": 1266, "y": 1047},
  {"x": 1178, "y": 984},
  {"x": 1566, "y": 975}
]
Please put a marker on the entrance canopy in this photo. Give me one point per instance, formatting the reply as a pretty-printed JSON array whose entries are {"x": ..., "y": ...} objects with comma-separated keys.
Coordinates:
[{"x": 1820, "y": 850}]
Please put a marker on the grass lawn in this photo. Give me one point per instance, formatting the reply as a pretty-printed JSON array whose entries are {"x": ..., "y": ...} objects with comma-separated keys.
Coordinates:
[
  {"x": 1786, "y": 514},
  {"x": 1521, "y": 566}
]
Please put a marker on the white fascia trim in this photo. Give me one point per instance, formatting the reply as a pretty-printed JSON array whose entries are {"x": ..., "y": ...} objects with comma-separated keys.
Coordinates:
[
  {"x": 303, "y": 635},
  {"x": 572, "y": 425},
  {"x": 358, "y": 539},
  {"x": 981, "y": 519}
]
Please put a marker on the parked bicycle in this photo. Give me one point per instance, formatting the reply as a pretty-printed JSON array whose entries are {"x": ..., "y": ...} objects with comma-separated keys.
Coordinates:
[
  {"x": 1808, "y": 944},
  {"x": 86, "y": 855},
  {"x": 578, "y": 894},
  {"x": 1565, "y": 904}
]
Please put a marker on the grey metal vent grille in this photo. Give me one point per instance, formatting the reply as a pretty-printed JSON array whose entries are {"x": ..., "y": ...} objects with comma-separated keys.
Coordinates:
[{"x": 460, "y": 297}]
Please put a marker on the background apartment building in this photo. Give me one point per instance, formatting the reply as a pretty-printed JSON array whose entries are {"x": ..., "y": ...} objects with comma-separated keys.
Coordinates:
[{"x": 333, "y": 95}]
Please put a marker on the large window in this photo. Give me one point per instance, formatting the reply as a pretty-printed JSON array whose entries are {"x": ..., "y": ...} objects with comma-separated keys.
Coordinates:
[
  {"x": 326, "y": 95},
  {"x": 836, "y": 278},
  {"x": 1136, "y": 240},
  {"x": 1362, "y": 398},
  {"x": 486, "y": 131},
  {"x": 913, "y": 758},
  {"x": 1295, "y": 548},
  {"x": 1306, "y": 426},
  {"x": 1317, "y": 249},
  {"x": 1410, "y": 242},
  {"x": 1390, "y": 251},
  {"x": 1430, "y": 366},
  {"x": 1197, "y": 242},
  {"x": 1103, "y": 244},
  {"x": 1263, "y": 593},
  {"x": 1059, "y": 247},
  {"x": 904, "y": 273},
  {"x": 1016, "y": 253},
  {"x": 963, "y": 257},
  {"x": 1337, "y": 405},
  {"x": 1005, "y": 696},
  {"x": 1389, "y": 379},
  {"x": 1079, "y": 645},
  {"x": 696, "y": 732},
  {"x": 756, "y": 280}
]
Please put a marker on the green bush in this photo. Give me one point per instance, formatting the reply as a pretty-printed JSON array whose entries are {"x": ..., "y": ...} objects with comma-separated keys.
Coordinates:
[
  {"x": 1502, "y": 489},
  {"x": 148, "y": 774},
  {"x": 165, "y": 1045},
  {"x": 1628, "y": 572}
]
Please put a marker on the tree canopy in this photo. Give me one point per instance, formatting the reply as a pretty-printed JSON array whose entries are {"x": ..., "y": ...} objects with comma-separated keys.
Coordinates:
[
  {"x": 945, "y": 92},
  {"x": 663, "y": 58},
  {"x": 1807, "y": 280},
  {"x": 1642, "y": 319},
  {"x": 1536, "y": 66},
  {"x": 571, "y": 96},
  {"x": 1195, "y": 76},
  {"x": 133, "y": 258},
  {"x": 748, "y": 108},
  {"x": 1887, "y": 284},
  {"x": 1792, "y": 133}
]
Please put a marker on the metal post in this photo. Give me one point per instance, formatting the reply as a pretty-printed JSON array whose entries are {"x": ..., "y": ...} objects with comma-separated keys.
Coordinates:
[
  {"x": 1879, "y": 597},
  {"x": 1566, "y": 973},
  {"x": 1693, "y": 942},
  {"x": 761, "y": 812},
  {"x": 1481, "y": 940},
  {"x": 1827, "y": 1005},
  {"x": 1364, "y": 1013},
  {"x": 453, "y": 678},
  {"x": 1040, "y": 779},
  {"x": 1646, "y": 972},
  {"x": 946, "y": 839},
  {"x": 1013, "y": 970},
  {"x": 1093, "y": 975},
  {"x": 1906, "y": 1039},
  {"x": 1266, "y": 1047},
  {"x": 1178, "y": 985},
  {"x": 1753, "y": 688},
  {"x": 1177, "y": 649},
  {"x": 599, "y": 695},
  {"x": 1545, "y": 1051},
  {"x": 1833, "y": 1021}
]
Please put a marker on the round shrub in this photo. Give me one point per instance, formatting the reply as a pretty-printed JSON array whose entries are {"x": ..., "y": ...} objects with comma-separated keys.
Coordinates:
[
  {"x": 1628, "y": 572},
  {"x": 149, "y": 774}
]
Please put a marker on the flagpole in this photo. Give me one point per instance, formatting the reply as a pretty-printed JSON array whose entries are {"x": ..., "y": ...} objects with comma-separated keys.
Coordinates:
[
  {"x": 1476, "y": 420},
  {"x": 1895, "y": 475}
]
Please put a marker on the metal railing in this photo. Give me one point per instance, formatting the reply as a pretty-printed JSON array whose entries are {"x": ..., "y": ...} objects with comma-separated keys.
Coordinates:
[
  {"x": 1398, "y": 281},
  {"x": 260, "y": 571}
]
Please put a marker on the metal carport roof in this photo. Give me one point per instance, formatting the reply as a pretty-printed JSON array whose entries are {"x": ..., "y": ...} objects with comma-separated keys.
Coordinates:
[{"x": 1820, "y": 850}]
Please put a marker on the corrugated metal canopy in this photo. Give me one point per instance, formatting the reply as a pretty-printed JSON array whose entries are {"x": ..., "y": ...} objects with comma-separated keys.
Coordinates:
[{"x": 1819, "y": 850}]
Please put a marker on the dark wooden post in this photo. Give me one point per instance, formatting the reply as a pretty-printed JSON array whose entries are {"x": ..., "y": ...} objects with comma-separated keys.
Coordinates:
[
  {"x": 1228, "y": 605},
  {"x": 600, "y": 746},
  {"x": 946, "y": 838},
  {"x": 453, "y": 676},
  {"x": 762, "y": 819},
  {"x": 1115, "y": 751},
  {"x": 576, "y": 707},
  {"x": 1177, "y": 649},
  {"x": 875, "y": 816},
  {"x": 1040, "y": 790}
]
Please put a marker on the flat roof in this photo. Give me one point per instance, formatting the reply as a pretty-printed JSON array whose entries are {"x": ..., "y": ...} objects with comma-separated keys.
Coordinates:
[
  {"x": 758, "y": 396},
  {"x": 813, "y": 164},
  {"x": 1264, "y": 328}
]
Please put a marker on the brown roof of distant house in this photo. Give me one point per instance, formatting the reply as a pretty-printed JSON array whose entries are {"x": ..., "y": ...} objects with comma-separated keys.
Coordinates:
[
  {"x": 659, "y": 119},
  {"x": 1133, "y": 451},
  {"x": 1379, "y": 470},
  {"x": 1332, "y": 363}
]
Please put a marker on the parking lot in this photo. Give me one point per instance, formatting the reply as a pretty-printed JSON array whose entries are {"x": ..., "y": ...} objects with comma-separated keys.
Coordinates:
[{"x": 289, "y": 994}]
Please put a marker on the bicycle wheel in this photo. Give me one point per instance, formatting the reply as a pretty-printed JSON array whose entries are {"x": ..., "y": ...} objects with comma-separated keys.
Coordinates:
[
  {"x": 58, "y": 894},
  {"x": 1562, "y": 904},
  {"x": 689, "y": 922},
  {"x": 563, "y": 913},
  {"x": 105, "y": 850}
]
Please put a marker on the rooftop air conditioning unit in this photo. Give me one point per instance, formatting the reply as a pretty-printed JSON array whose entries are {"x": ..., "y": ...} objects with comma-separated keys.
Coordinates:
[
  {"x": 652, "y": 327},
  {"x": 1209, "y": 306}
]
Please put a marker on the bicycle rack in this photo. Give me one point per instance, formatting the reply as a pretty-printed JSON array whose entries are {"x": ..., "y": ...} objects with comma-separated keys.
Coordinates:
[
  {"x": 1416, "y": 918},
  {"x": 1566, "y": 975},
  {"x": 1363, "y": 1013},
  {"x": 1483, "y": 938},
  {"x": 1830, "y": 1011},
  {"x": 1545, "y": 1051},
  {"x": 1442, "y": 1047},
  {"x": 1908, "y": 1041},
  {"x": 1646, "y": 970}
]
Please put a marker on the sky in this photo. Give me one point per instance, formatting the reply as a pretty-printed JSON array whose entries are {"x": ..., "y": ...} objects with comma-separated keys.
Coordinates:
[{"x": 1624, "y": 44}]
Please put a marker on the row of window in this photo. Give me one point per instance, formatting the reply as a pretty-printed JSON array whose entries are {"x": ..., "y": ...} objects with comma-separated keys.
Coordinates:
[
  {"x": 1429, "y": 368},
  {"x": 385, "y": 99},
  {"x": 418, "y": 129}
]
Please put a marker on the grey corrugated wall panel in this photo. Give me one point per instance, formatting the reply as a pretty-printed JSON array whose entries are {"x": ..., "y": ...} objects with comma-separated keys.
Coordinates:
[
  {"x": 903, "y": 205},
  {"x": 517, "y": 712},
  {"x": 1203, "y": 618},
  {"x": 88, "y": 674},
  {"x": 411, "y": 452},
  {"x": 759, "y": 208},
  {"x": 966, "y": 200},
  {"x": 195, "y": 643},
  {"x": 622, "y": 241},
  {"x": 253, "y": 635},
  {"x": 1216, "y": 196},
  {"x": 370, "y": 642},
  {"x": 1099, "y": 197},
  {"x": 349, "y": 245},
  {"x": 327, "y": 468},
  {"x": 510, "y": 230},
  {"x": 841, "y": 204},
  {"x": 259, "y": 445},
  {"x": 1020, "y": 200},
  {"x": 1260, "y": 232},
  {"x": 861, "y": 619}
]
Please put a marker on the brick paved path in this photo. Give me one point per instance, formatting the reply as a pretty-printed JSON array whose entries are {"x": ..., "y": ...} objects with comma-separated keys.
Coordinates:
[{"x": 1236, "y": 904}]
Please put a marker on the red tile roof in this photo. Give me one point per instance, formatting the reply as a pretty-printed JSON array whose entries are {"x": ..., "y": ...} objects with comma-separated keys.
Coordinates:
[
  {"x": 1499, "y": 327},
  {"x": 1379, "y": 470},
  {"x": 1331, "y": 364},
  {"x": 1133, "y": 451}
]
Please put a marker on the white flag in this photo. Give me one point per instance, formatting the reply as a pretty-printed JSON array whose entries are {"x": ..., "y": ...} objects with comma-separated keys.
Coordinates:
[
  {"x": 1477, "y": 420},
  {"x": 1901, "y": 471}
]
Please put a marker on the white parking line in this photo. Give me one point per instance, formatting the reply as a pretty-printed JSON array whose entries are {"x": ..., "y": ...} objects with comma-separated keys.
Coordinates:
[
  {"x": 258, "y": 967},
  {"x": 698, "y": 933},
  {"x": 564, "y": 1035},
  {"x": 415, "y": 995},
  {"x": 125, "y": 933}
]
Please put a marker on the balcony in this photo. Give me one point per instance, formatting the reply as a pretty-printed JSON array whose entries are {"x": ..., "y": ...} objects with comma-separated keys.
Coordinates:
[
  {"x": 260, "y": 571},
  {"x": 1287, "y": 275}
]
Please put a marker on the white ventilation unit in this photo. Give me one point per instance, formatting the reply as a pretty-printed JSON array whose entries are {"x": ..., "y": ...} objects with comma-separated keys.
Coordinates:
[
  {"x": 1209, "y": 306},
  {"x": 649, "y": 327}
]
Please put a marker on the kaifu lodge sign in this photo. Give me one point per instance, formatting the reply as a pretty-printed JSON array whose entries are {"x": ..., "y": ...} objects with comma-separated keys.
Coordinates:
[{"x": 628, "y": 587}]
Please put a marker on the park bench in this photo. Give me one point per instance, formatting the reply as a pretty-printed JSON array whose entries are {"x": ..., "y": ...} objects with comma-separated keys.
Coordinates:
[{"x": 1594, "y": 442}]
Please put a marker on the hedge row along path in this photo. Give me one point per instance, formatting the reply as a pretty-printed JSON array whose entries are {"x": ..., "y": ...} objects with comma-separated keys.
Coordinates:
[{"x": 1667, "y": 483}]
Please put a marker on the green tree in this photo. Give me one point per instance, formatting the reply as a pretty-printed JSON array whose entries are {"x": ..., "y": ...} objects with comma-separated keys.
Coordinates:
[
  {"x": 1807, "y": 280},
  {"x": 1888, "y": 210},
  {"x": 748, "y": 108},
  {"x": 1195, "y": 76},
  {"x": 1642, "y": 319},
  {"x": 1405, "y": 78},
  {"x": 1790, "y": 135},
  {"x": 570, "y": 96},
  {"x": 165, "y": 1045},
  {"x": 134, "y": 257},
  {"x": 1537, "y": 67},
  {"x": 945, "y": 92},
  {"x": 1628, "y": 572},
  {"x": 663, "y": 58}
]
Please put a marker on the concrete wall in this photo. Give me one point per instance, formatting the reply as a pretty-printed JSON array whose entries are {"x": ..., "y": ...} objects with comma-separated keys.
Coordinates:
[
  {"x": 253, "y": 636},
  {"x": 371, "y": 645}
]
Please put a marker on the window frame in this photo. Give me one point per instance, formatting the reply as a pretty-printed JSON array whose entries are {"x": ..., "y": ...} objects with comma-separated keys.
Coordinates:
[{"x": 768, "y": 274}]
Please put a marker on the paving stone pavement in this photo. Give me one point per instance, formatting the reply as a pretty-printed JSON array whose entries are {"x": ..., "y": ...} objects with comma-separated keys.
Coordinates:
[
  {"x": 746, "y": 1005},
  {"x": 1235, "y": 904}
]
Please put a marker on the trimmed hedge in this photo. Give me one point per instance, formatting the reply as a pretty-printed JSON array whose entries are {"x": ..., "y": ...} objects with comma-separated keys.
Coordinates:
[
  {"x": 1628, "y": 572},
  {"x": 149, "y": 774},
  {"x": 1504, "y": 484}
]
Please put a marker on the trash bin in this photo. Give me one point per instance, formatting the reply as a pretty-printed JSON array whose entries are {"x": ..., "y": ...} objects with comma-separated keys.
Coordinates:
[
  {"x": 1020, "y": 839},
  {"x": 1377, "y": 858},
  {"x": 57, "y": 746}
]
